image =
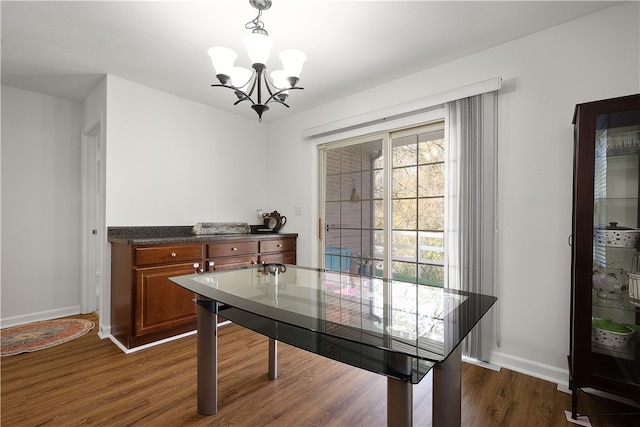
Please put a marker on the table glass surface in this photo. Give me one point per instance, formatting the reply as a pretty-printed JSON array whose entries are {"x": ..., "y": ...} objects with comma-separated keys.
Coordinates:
[{"x": 390, "y": 327}]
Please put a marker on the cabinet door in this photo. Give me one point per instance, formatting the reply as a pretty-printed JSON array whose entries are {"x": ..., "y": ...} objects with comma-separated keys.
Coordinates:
[
  {"x": 606, "y": 231},
  {"x": 160, "y": 304}
]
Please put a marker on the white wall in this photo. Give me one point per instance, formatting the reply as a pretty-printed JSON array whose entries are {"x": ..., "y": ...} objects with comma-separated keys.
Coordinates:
[
  {"x": 171, "y": 161},
  {"x": 95, "y": 105},
  {"x": 544, "y": 75},
  {"x": 40, "y": 206}
]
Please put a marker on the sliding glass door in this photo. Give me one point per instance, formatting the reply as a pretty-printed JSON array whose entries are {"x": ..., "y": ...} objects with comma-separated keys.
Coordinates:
[{"x": 382, "y": 201}]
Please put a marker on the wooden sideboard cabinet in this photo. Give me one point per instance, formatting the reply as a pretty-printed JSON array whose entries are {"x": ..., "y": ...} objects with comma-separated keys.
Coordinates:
[{"x": 147, "y": 307}]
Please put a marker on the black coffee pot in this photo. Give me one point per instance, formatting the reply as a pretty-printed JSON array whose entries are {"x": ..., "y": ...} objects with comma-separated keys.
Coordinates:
[{"x": 275, "y": 221}]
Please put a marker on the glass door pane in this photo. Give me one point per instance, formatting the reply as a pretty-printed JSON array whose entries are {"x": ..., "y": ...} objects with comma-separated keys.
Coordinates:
[
  {"x": 353, "y": 208},
  {"x": 417, "y": 201},
  {"x": 616, "y": 229}
]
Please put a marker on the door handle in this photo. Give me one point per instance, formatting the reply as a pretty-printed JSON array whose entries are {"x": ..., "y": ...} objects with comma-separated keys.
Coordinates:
[{"x": 320, "y": 228}]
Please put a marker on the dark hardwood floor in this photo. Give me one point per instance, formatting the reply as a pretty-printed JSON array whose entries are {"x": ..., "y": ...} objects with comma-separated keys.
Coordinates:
[{"x": 90, "y": 382}]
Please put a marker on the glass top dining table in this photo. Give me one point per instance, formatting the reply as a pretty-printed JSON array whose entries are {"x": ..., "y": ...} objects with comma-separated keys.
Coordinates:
[{"x": 398, "y": 329}]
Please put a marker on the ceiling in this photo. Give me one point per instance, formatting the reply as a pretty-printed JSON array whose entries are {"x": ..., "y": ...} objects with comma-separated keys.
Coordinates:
[{"x": 63, "y": 49}]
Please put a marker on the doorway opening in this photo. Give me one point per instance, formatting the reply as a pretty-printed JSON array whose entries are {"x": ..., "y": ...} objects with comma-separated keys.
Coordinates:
[{"x": 93, "y": 220}]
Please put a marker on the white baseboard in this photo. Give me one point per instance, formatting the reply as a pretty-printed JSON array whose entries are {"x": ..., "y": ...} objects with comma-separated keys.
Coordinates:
[
  {"x": 153, "y": 344},
  {"x": 564, "y": 388},
  {"x": 481, "y": 363},
  {"x": 37, "y": 317},
  {"x": 142, "y": 347},
  {"x": 104, "y": 331},
  {"x": 530, "y": 367}
]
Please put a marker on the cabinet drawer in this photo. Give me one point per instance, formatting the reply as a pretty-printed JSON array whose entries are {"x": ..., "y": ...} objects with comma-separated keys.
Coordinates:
[
  {"x": 231, "y": 262},
  {"x": 223, "y": 249},
  {"x": 168, "y": 254},
  {"x": 277, "y": 245},
  {"x": 278, "y": 258}
]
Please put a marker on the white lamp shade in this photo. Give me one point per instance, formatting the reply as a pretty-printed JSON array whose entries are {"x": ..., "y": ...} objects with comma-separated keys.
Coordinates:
[
  {"x": 222, "y": 59},
  {"x": 241, "y": 77},
  {"x": 279, "y": 79},
  {"x": 292, "y": 61},
  {"x": 259, "y": 47}
]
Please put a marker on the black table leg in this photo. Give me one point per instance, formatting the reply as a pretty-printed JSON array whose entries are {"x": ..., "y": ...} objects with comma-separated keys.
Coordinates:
[
  {"x": 273, "y": 359},
  {"x": 207, "y": 345},
  {"x": 399, "y": 393},
  {"x": 447, "y": 385}
]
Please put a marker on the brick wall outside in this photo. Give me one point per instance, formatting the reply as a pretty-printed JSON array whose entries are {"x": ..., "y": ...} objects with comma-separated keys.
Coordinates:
[{"x": 350, "y": 221}]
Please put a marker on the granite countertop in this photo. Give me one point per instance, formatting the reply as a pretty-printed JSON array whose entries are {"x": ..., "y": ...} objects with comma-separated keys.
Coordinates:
[{"x": 142, "y": 235}]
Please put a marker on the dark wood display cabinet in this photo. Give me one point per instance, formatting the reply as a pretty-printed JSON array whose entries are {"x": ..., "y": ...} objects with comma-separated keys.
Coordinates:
[
  {"x": 605, "y": 276},
  {"x": 147, "y": 307}
]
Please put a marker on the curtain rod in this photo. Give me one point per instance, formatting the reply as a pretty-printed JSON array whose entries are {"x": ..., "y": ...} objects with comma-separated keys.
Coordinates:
[{"x": 403, "y": 110}]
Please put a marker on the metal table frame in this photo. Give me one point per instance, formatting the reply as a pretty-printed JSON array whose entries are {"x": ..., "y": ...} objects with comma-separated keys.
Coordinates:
[{"x": 446, "y": 404}]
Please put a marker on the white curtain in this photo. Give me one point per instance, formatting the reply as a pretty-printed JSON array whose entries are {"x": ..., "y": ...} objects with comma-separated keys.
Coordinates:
[{"x": 470, "y": 208}]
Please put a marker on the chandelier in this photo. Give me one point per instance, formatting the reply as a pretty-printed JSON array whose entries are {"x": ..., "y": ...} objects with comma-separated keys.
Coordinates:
[{"x": 255, "y": 85}]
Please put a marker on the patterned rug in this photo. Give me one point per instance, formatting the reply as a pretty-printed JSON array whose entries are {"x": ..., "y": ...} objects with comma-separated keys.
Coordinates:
[{"x": 39, "y": 335}]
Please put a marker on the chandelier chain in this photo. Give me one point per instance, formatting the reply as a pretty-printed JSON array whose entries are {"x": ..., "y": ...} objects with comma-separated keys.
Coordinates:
[{"x": 256, "y": 24}]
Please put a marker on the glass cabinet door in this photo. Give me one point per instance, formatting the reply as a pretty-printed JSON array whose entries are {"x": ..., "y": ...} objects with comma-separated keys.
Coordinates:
[
  {"x": 615, "y": 349},
  {"x": 605, "y": 270}
]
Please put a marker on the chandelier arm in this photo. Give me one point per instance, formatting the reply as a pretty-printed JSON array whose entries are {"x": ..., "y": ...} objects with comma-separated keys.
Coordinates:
[
  {"x": 274, "y": 96},
  {"x": 246, "y": 97},
  {"x": 255, "y": 78},
  {"x": 245, "y": 84},
  {"x": 281, "y": 102},
  {"x": 269, "y": 84}
]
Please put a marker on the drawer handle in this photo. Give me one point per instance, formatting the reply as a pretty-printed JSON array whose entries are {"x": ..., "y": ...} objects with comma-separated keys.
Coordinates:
[
  {"x": 173, "y": 254},
  {"x": 211, "y": 263},
  {"x": 279, "y": 245},
  {"x": 196, "y": 265},
  {"x": 234, "y": 249}
]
